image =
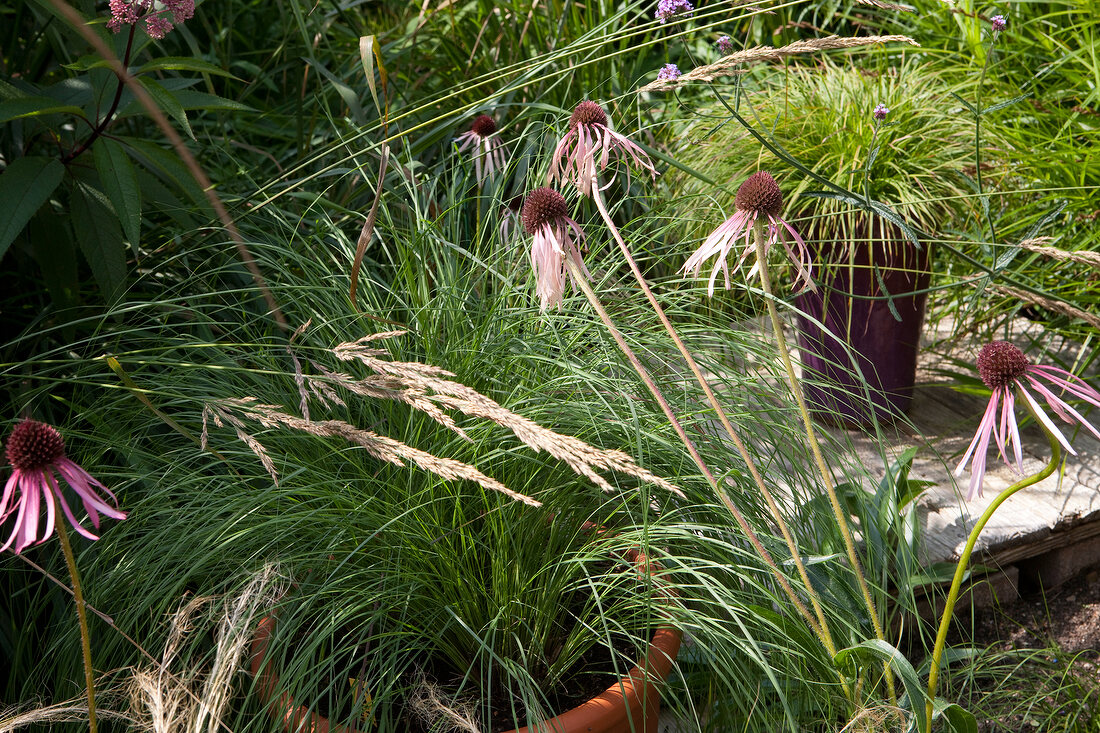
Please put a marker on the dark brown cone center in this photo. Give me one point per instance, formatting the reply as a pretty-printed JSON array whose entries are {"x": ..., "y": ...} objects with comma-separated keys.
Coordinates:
[
  {"x": 543, "y": 206},
  {"x": 588, "y": 113},
  {"x": 1000, "y": 364},
  {"x": 760, "y": 193},
  {"x": 483, "y": 125},
  {"x": 34, "y": 445}
]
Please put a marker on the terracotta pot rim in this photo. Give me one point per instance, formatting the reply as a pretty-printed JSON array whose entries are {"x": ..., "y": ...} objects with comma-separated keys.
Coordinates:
[{"x": 633, "y": 691}]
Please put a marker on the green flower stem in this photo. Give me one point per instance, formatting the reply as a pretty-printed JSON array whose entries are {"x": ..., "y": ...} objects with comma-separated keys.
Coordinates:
[
  {"x": 964, "y": 563},
  {"x": 815, "y": 447},
  {"x": 582, "y": 283},
  {"x": 82, "y": 616},
  {"x": 773, "y": 507}
]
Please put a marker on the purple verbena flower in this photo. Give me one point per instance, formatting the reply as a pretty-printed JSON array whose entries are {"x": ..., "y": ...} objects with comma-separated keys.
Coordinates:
[
  {"x": 36, "y": 452},
  {"x": 998, "y": 22},
  {"x": 669, "y": 72},
  {"x": 546, "y": 219},
  {"x": 666, "y": 9},
  {"x": 758, "y": 197},
  {"x": 881, "y": 110},
  {"x": 574, "y": 158},
  {"x": 488, "y": 150},
  {"x": 1009, "y": 373},
  {"x": 725, "y": 45},
  {"x": 155, "y": 13}
]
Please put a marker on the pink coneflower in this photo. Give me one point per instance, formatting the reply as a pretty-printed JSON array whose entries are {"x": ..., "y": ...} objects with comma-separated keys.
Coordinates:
[
  {"x": 155, "y": 14},
  {"x": 574, "y": 158},
  {"x": 758, "y": 197},
  {"x": 546, "y": 219},
  {"x": 1002, "y": 367},
  {"x": 488, "y": 150},
  {"x": 35, "y": 451}
]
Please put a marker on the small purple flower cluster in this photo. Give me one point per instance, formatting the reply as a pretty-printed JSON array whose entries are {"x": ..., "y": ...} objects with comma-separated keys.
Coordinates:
[
  {"x": 667, "y": 9},
  {"x": 725, "y": 45},
  {"x": 157, "y": 22},
  {"x": 881, "y": 110},
  {"x": 998, "y": 22},
  {"x": 669, "y": 72}
]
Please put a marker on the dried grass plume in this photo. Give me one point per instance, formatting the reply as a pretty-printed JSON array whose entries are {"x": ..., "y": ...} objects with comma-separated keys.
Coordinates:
[{"x": 732, "y": 64}]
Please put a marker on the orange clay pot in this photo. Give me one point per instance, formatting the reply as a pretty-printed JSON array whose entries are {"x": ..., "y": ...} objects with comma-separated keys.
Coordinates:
[{"x": 631, "y": 705}]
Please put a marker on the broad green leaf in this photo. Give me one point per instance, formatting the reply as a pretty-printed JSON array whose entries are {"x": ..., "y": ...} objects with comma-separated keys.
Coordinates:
[
  {"x": 351, "y": 99},
  {"x": 116, "y": 173},
  {"x": 190, "y": 99},
  {"x": 25, "y": 185},
  {"x": 14, "y": 109},
  {"x": 167, "y": 101},
  {"x": 876, "y": 649},
  {"x": 166, "y": 165},
  {"x": 53, "y": 248},
  {"x": 100, "y": 239},
  {"x": 91, "y": 61},
  {"x": 182, "y": 63},
  {"x": 958, "y": 719}
]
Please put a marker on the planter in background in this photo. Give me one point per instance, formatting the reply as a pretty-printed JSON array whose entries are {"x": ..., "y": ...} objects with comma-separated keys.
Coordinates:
[
  {"x": 851, "y": 302},
  {"x": 631, "y": 705}
]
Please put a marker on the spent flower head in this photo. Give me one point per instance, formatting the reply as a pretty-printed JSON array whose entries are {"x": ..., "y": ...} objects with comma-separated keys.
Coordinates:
[
  {"x": 36, "y": 453},
  {"x": 881, "y": 110},
  {"x": 725, "y": 45},
  {"x": 160, "y": 16},
  {"x": 546, "y": 219},
  {"x": 668, "y": 9},
  {"x": 758, "y": 197},
  {"x": 574, "y": 158},
  {"x": 1007, "y": 371},
  {"x": 488, "y": 150},
  {"x": 669, "y": 72},
  {"x": 998, "y": 22}
]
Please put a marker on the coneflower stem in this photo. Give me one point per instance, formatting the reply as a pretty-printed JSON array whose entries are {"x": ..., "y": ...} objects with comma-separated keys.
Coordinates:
[
  {"x": 82, "y": 617},
  {"x": 773, "y": 507},
  {"x": 582, "y": 283},
  {"x": 815, "y": 447},
  {"x": 964, "y": 563}
]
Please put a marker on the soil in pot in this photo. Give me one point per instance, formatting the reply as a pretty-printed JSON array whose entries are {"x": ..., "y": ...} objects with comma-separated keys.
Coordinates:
[{"x": 871, "y": 299}]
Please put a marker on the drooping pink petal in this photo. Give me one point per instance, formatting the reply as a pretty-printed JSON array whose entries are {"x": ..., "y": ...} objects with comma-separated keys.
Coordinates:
[
  {"x": 979, "y": 446},
  {"x": 1014, "y": 430},
  {"x": 1062, "y": 408},
  {"x": 9, "y": 489},
  {"x": 1041, "y": 416},
  {"x": 81, "y": 482},
  {"x": 1069, "y": 382}
]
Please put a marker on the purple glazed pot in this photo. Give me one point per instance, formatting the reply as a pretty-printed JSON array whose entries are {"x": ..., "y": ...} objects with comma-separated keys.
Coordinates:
[{"x": 853, "y": 306}]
